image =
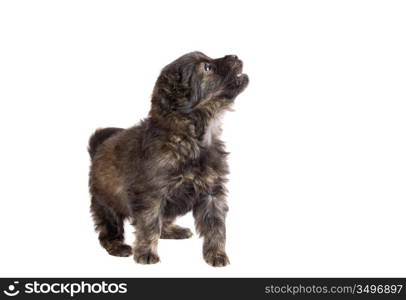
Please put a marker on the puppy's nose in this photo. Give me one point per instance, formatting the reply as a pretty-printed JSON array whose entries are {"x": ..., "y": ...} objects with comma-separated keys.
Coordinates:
[{"x": 232, "y": 56}]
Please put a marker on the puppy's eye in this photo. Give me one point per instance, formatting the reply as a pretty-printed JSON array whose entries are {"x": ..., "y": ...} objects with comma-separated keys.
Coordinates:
[{"x": 208, "y": 67}]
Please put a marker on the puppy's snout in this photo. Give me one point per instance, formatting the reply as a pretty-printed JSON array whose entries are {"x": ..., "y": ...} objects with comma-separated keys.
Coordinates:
[
  {"x": 233, "y": 62},
  {"x": 231, "y": 57}
]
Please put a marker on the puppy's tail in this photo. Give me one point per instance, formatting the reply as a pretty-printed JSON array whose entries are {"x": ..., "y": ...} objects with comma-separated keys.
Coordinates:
[{"x": 99, "y": 137}]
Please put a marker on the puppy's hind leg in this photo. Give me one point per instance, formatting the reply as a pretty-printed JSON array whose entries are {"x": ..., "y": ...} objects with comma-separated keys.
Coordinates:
[
  {"x": 173, "y": 231},
  {"x": 110, "y": 226}
]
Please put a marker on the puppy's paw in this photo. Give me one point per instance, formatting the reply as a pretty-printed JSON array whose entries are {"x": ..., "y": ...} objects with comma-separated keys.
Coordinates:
[
  {"x": 116, "y": 248},
  {"x": 176, "y": 232},
  {"x": 216, "y": 258},
  {"x": 121, "y": 250},
  {"x": 146, "y": 258}
]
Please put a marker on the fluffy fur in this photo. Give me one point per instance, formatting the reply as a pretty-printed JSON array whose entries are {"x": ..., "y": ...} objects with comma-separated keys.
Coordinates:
[{"x": 171, "y": 163}]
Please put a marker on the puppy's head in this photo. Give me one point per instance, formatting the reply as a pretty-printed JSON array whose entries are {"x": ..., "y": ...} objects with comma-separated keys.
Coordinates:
[{"x": 197, "y": 82}]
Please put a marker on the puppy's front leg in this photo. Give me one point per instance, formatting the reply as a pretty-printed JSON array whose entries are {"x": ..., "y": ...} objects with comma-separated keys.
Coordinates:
[
  {"x": 210, "y": 212},
  {"x": 148, "y": 224}
]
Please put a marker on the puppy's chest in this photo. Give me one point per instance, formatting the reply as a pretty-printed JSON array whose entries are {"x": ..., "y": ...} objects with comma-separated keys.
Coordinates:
[
  {"x": 198, "y": 165},
  {"x": 198, "y": 175},
  {"x": 188, "y": 147},
  {"x": 187, "y": 186}
]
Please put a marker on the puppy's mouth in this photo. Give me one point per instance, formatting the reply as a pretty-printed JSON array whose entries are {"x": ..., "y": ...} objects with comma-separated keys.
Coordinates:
[{"x": 240, "y": 78}]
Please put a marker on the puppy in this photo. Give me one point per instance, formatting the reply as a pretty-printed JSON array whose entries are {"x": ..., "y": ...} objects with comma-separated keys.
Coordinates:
[{"x": 171, "y": 163}]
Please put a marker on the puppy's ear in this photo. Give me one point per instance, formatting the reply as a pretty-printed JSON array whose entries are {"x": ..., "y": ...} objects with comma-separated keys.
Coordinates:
[
  {"x": 172, "y": 92},
  {"x": 163, "y": 101},
  {"x": 191, "y": 87}
]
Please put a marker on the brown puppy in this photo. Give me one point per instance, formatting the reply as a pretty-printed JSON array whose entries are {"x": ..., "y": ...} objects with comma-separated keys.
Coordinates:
[{"x": 169, "y": 164}]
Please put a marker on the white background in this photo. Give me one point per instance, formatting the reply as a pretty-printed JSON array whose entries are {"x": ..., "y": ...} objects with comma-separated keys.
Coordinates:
[{"x": 317, "y": 141}]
